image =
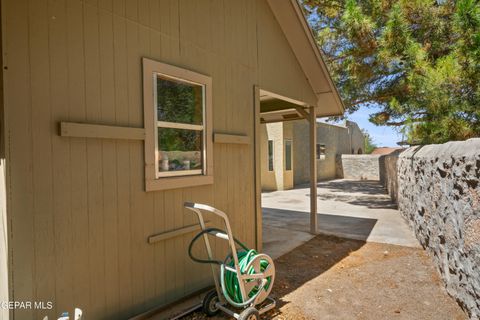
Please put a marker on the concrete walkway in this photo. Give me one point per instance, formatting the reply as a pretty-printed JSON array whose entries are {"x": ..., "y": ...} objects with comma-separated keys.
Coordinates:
[{"x": 349, "y": 209}]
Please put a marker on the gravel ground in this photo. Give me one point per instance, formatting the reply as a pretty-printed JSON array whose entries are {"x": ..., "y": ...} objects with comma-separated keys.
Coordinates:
[{"x": 336, "y": 278}]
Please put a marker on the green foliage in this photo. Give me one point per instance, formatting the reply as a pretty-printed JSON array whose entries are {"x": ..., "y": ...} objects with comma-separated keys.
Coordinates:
[
  {"x": 419, "y": 60},
  {"x": 180, "y": 103},
  {"x": 369, "y": 143}
]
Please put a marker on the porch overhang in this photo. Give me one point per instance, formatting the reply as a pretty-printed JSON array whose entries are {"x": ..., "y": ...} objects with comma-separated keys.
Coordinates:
[{"x": 289, "y": 15}]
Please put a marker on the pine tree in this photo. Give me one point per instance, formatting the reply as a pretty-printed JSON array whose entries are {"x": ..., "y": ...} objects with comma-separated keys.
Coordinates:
[{"x": 419, "y": 60}]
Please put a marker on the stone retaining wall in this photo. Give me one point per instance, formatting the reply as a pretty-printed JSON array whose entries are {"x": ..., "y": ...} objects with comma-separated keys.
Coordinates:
[
  {"x": 360, "y": 167},
  {"x": 439, "y": 194}
]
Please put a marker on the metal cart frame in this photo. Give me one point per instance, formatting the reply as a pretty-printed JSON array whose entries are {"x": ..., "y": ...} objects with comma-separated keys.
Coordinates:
[{"x": 246, "y": 281}]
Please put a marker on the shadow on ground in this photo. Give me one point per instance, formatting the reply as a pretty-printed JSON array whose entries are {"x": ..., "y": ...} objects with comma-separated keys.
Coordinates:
[
  {"x": 367, "y": 193},
  {"x": 372, "y": 202},
  {"x": 335, "y": 278},
  {"x": 360, "y": 186},
  {"x": 284, "y": 229},
  {"x": 308, "y": 261}
]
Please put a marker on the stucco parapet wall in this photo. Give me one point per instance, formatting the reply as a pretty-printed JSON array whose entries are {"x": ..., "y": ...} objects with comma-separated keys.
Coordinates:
[{"x": 439, "y": 194}]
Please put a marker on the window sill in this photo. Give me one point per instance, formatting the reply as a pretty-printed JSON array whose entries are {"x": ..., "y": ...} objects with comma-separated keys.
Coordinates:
[{"x": 168, "y": 183}]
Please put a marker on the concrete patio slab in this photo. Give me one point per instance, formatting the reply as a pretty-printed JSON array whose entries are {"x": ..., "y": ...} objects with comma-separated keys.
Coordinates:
[{"x": 359, "y": 210}]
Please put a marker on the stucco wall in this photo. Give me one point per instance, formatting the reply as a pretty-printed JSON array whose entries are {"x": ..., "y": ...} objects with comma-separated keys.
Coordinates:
[
  {"x": 439, "y": 194},
  {"x": 279, "y": 178},
  {"x": 357, "y": 139},
  {"x": 360, "y": 167},
  {"x": 389, "y": 176},
  {"x": 288, "y": 174},
  {"x": 338, "y": 140}
]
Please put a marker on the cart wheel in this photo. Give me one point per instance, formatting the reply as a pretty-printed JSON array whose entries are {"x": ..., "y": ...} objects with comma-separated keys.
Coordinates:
[
  {"x": 209, "y": 303},
  {"x": 249, "y": 314}
]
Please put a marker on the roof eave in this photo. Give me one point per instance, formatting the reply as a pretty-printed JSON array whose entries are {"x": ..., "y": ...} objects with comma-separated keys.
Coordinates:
[{"x": 311, "y": 62}]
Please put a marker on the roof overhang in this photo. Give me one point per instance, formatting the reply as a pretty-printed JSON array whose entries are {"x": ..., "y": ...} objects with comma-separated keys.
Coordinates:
[{"x": 289, "y": 15}]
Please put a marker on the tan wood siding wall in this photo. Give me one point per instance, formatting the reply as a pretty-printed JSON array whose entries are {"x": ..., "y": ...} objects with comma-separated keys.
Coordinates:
[
  {"x": 79, "y": 215},
  {"x": 3, "y": 243},
  {"x": 4, "y": 274}
]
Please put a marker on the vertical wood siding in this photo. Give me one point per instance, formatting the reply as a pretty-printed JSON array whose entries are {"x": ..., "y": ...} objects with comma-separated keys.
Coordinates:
[
  {"x": 78, "y": 211},
  {"x": 4, "y": 312}
]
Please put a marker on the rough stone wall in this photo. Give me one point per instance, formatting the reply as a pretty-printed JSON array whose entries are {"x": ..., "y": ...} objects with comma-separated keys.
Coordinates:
[
  {"x": 360, "y": 167},
  {"x": 439, "y": 194}
]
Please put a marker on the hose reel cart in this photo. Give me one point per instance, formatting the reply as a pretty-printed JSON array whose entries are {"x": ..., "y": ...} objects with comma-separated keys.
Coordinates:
[{"x": 243, "y": 281}]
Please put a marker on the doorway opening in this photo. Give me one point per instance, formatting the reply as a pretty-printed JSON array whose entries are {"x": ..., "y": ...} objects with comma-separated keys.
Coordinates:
[{"x": 275, "y": 170}]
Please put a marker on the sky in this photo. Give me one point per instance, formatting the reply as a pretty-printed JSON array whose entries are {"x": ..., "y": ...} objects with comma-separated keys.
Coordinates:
[{"x": 383, "y": 136}]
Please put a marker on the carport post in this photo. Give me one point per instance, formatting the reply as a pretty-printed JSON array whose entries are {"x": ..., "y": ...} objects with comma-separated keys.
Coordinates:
[{"x": 313, "y": 170}]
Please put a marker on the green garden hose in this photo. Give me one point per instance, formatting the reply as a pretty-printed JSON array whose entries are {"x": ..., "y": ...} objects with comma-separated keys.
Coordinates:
[
  {"x": 230, "y": 283},
  {"x": 228, "y": 279}
]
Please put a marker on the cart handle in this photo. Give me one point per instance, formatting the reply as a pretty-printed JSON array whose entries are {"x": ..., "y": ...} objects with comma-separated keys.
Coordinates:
[
  {"x": 191, "y": 205},
  {"x": 197, "y": 208}
]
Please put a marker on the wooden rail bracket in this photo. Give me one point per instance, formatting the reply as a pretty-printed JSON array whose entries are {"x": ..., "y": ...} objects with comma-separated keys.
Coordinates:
[
  {"x": 230, "y": 138},
  {"x": 175, "y": 233},
  {"x": 87, "y": 130}
]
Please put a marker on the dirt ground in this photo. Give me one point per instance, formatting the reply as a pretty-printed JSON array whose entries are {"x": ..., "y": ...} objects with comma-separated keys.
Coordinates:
[{"x": 336, "y": 278}]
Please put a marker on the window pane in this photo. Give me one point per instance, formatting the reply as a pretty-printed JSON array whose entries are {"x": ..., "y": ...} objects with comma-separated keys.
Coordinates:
[
  {"x": 270, "y": 155},
  {"x": 179, "y": 101},
  {"x": 179, "y": 149},
  {"x": 322, "y": 151},
  {"x": 288, "y": 155}
]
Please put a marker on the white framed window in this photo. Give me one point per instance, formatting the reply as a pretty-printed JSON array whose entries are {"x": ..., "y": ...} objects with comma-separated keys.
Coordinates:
[
  {"x": 178, "y": 138},
  {"x": 288, "y": 155},
  {"x": 321, "y": 151}
]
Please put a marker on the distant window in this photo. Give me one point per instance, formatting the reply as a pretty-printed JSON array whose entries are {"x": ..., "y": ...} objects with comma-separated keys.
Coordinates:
[
  {"x": 288, "y": 155},
  {"x": 321, "y": 151},
  {"x": 270, "y": 155},
  {"x": 177, "y": 106}
]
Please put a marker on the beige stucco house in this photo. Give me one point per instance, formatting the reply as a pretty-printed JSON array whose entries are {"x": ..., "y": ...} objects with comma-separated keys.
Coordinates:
[
  {"x": 113, "y": 114},
  {"x": 285, "y": 151}
]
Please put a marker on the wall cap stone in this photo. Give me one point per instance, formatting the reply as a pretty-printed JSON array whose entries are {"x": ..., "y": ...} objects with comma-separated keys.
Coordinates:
[
  {"x": 361, "y": 156},
  {"x": 468, "y": 148}
]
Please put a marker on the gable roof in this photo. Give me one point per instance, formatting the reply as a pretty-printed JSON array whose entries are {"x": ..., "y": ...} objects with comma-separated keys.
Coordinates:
[{"x": 291, "y": 19}]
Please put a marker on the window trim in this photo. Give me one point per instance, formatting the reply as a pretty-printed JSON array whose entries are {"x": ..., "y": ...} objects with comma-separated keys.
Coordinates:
[
  {"x": 268, "y": 155},
  {"x": 319, "y": 153},
  {"x": 291, "y": 154},
  {"x": 154, "y": 180}
]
